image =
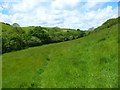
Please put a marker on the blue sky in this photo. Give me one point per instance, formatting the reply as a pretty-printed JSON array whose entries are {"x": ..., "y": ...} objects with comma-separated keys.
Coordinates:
[{"x": 82, "y": 14}]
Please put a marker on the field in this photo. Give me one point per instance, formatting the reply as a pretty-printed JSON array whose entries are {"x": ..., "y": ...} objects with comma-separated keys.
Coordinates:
[{"x": 88, "y": 62}]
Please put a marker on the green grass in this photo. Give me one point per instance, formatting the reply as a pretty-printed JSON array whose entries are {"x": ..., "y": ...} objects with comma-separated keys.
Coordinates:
[
  {"x": 5, "y": 27},
  {"x": 89, "y": 62},
  {"x": 27, "y": 29}
]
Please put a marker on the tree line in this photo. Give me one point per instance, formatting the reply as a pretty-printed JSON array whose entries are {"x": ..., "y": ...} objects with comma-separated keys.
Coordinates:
[{"x": 16, "y": 38}]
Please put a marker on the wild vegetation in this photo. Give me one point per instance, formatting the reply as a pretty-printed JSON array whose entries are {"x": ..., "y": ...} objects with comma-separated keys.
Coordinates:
[
  {"x": 15, "y": 37},
  {"x": 88, "y": 62}
]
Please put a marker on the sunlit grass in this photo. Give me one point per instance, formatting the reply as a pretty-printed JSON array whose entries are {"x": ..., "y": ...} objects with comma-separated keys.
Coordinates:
[{"x": 89, "y": 62}]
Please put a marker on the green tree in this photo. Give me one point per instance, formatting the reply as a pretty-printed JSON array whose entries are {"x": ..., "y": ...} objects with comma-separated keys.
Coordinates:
[
  {"x": 40, "y": 33},
  {"x": 16, "y": 25}
]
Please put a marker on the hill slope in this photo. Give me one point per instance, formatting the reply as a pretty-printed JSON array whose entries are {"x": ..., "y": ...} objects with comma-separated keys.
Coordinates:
[{"x": 88, "y": 62}]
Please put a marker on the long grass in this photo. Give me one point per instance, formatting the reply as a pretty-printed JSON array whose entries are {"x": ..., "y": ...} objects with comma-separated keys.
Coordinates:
[{"x": 89, "y": 62}]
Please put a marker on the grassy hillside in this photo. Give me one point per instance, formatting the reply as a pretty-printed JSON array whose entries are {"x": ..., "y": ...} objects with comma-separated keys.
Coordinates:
[
  {"x": 27, "y": 29},
  {"x": 88, "y": 62},
  {"x": 5, "y": 26}
]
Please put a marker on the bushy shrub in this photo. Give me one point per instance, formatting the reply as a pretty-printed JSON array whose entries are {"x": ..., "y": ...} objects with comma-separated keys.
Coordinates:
[{"x": 17, "y": 39}]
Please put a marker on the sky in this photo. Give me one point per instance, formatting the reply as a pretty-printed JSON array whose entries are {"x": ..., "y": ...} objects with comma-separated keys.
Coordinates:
[{"x": 76, "y": 14}]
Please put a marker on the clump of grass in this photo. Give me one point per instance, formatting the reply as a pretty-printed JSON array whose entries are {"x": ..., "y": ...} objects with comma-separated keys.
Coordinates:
[
  {"x": 40, "y": 71},
  {"x": 48, "y": 59},
  {"x": 104, "y": 60},
  {"x": 118, "y": 40},
  {"x": 78, "y": 62},
  {"x": 28, "y": 85},
  {"x": 24, "y": 85},
  {"x": 102, "y": 39},
  {"x": 33, "y": 85}
]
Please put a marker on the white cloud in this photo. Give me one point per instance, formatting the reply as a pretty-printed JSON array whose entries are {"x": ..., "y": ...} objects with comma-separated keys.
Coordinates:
[
  {"x": 100, "y": 0},
  {"x": 62, "y": 4},
  {"x": 96, "y": 18},
  {"x": 6, "y": 5},
  {"x": 9, "y": 0},
  {"x": 25, "y": 5},
  {"x": 89, "y": 5},
  {"x": 62, "y": 13},
  {"x": 89, "y": 19},
  {"x": 5, "y": 18},
  {"x": 1, "y": 9}
]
